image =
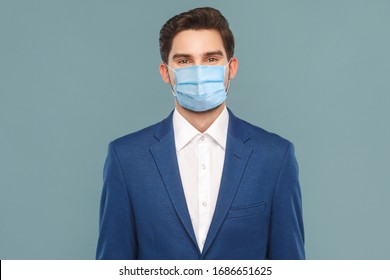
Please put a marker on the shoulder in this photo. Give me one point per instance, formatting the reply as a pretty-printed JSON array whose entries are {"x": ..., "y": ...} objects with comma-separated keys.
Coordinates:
[
  {"x": 259, "y": 134},
  {"x": 143, "y": 139},
  {"x": 264, "y": 144},
  {"x": 137, "y": 136},
  {"x": 137, "y": 140},
  {"x": 268, "y": 147},
  {"x": 256, "y": 135}
]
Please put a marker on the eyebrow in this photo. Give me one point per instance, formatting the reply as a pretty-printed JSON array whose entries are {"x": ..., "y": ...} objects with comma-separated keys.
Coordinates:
[
  {"x": 181, "y": 55},
  {"x": 184, "y": 55},
  {"x": 219, "y": 53}
]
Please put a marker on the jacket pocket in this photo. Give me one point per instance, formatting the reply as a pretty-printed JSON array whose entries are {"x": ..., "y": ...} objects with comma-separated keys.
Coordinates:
[{"x": 245, "y": 211}]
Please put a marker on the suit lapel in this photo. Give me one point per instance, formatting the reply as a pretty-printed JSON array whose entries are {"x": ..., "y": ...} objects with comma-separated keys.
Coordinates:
[
  {"x": 236, "y": 157},
  {"x": 164, "y": 153}
]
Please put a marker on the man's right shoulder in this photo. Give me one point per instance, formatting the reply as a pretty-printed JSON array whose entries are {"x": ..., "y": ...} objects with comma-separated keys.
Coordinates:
[
  {"x": 140, "y": 138},
  {"x": 144, "y": 138}
]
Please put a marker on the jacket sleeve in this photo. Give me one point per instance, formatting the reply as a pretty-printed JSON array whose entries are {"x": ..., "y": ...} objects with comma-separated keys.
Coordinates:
[
  {"x": 286, "y": 233},
  {"x": 117, "y": 238}
]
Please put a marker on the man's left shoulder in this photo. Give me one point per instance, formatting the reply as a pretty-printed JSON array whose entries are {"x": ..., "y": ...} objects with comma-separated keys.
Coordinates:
[
  {"x": 267, "y": 145},
  {"x": 260, "y": 136}
]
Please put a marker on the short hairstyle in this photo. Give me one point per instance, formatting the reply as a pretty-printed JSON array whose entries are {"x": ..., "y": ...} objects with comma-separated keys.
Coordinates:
[{"x": 196, "y": 19}]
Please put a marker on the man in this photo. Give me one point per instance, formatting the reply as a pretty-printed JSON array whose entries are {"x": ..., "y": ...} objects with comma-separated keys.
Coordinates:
[{"x": 201, "y": 184}]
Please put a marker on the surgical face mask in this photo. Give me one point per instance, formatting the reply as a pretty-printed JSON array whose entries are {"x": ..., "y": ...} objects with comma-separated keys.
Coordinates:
[{"x": 200, "y": 88}]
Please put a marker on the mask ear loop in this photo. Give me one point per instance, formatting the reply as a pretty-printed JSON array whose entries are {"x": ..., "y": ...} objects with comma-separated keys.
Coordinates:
[
  {"x": 169, "y": 77},
  {"x": 228, "y": 86}
]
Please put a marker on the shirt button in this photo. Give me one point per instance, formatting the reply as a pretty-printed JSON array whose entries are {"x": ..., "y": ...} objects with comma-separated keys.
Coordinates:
[
  {"x": 204, "y": 203},
  {"x": 203, "y": 241},
  {"x": 203, "y": 166},
  {"x": 202, "y": 138}
]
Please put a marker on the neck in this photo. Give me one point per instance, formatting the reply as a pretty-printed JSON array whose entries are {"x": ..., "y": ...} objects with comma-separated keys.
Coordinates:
[{"x": 201, "y": 120}]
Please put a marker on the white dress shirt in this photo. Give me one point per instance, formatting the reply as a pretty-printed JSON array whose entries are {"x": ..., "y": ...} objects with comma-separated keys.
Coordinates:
[{"x": 201, "y": 158}]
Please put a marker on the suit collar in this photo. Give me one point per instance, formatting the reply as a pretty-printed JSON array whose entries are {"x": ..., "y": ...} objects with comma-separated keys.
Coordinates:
[
  {"x": 237, "y": 129},
  {"x": 165, "y": 127}
]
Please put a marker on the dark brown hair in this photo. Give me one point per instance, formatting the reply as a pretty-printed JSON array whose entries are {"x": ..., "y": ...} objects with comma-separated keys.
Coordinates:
[{"x": 199, "y": 18}]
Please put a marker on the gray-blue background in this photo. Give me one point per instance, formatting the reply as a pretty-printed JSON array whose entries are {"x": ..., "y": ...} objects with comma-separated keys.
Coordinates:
[{"x": 76, "y": 74}]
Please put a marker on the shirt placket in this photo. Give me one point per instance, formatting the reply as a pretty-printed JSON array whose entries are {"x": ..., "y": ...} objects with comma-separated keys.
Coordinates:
[{"x": 204, "y": 182}]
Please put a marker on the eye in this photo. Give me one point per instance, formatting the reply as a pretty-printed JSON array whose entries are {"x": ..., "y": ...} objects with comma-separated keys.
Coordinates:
[
  {"x": 212, "y": 59},
  {"x": 183, "y": 61}
]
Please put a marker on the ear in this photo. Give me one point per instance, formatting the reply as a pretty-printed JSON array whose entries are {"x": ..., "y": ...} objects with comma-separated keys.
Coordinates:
[
  {"x": 233, "y": 66},
  {"x": 164, "y": 73}
]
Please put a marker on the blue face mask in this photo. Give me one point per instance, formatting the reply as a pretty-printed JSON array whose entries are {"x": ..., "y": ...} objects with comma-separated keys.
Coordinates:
[{"x": 200, "y": 88}]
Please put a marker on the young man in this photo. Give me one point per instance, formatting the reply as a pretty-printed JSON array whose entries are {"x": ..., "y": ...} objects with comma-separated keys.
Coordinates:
[{"x": 201, "y": 184}]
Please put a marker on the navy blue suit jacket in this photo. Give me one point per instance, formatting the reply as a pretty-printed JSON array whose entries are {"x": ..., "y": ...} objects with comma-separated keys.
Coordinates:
[{"x": 144, "y": 213}]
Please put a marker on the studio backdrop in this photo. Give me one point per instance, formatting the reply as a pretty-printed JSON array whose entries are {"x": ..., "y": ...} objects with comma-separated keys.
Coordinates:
[{"x": 75, "y": 75}]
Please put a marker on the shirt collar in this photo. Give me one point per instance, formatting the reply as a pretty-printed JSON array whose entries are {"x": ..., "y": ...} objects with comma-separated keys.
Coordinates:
[
  {"x": 185, "y": 132},
  {"x": 218, "y": 129}
]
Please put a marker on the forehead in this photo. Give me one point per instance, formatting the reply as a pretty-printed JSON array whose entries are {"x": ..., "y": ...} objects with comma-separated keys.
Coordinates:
[{"x": 197, "y": 42}]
